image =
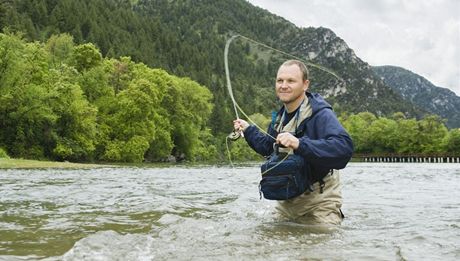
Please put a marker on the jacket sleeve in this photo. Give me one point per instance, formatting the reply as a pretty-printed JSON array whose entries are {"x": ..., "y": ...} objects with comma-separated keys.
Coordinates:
[
  {"x": 258, "y": 141},
  {"x": 331, "y": 148}
]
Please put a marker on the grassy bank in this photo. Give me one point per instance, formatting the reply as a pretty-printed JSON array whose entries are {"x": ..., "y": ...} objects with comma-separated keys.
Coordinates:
[{"x": 36, "y": 164}]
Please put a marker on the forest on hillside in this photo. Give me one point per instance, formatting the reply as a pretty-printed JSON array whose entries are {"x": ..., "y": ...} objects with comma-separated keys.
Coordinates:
[{"x": 117, "y": 80}]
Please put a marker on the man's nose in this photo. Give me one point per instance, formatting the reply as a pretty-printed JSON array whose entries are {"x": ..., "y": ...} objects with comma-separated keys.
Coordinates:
[{"x": 283, "y": 84}]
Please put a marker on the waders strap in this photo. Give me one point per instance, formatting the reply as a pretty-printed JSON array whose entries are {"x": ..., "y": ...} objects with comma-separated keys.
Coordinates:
[{"x": 322, "y": 183}]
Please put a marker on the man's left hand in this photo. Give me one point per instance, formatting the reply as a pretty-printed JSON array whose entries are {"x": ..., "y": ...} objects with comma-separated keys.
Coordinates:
[{"x": 288, "y": 140}]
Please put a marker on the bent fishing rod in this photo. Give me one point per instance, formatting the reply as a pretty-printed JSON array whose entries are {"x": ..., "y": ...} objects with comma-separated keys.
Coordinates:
[{"x": 235, "y": 134}]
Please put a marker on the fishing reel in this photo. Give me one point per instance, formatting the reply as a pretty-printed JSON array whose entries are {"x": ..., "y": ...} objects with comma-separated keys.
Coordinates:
[{"x": 234, "y": 135}]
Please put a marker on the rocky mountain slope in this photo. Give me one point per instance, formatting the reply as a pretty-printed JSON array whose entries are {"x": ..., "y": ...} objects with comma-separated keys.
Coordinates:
[
  {"x": 421, "y": 92},
  {"x": 361, "y": 89}
]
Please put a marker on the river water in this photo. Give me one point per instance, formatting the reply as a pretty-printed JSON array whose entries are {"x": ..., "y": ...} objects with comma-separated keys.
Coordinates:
[{"x": 393, "y": 212}]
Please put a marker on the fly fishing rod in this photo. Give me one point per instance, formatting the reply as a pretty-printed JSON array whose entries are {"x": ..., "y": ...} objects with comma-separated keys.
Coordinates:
[{"x": 236, "y": 134}]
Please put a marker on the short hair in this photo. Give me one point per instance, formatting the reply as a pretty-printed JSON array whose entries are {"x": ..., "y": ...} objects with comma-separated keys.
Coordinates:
[{"x": 303, "y": 68}]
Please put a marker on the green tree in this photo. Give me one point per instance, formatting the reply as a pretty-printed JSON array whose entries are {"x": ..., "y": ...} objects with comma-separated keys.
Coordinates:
[
  {"x": 135, "y": 148},
  {"x": 137, "y": 112},
  {"x": 86, "y": 56},
  {"x": 122, "y": 73},
  {"x": 76, "y": 124},
  {"x": 26, "y": 120},
  {"x": 431, "y": 132},
  {"x": 206, "y": 148},
  {"x": 358, "y": 128},
  {"x": 408, "y": 140},
  {"x": 133, "y": 117},
  {"x": 189, "y": 106},
  {"x": 3, "y": 154},
  {"x": 452, "y": 142},
  {"x": 61, "y": 48},
  {"x": 383, "y": 133},
  {"x": 95, "y": 83}
]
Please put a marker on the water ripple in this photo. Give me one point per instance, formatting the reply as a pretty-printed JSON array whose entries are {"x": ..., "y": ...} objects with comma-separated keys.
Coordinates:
[{"x": 393, "y": 212}]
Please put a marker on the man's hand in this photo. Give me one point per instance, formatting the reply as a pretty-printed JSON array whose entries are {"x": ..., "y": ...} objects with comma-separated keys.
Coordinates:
[
  {"x": 287, "y": 140},
  {"x": 240, "y": 125}
]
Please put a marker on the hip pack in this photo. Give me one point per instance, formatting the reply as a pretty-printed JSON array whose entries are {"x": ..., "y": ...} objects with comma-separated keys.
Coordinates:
[{"x": 284, "y": 177}]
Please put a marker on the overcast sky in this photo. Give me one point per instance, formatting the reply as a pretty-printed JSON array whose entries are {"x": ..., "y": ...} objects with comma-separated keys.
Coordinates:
[{"x": 422, "y": 36}]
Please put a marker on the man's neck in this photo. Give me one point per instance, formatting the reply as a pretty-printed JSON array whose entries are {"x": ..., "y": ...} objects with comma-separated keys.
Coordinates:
[{"x": 292, "y": 106}]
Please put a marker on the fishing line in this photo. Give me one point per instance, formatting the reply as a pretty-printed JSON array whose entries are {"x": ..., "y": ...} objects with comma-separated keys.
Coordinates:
[
  {"x": 322, "y": 68},
  {"x": 228, "y": 152},
  {"x": 230, "y": 89},
  {"x": 227, "y": 74}
]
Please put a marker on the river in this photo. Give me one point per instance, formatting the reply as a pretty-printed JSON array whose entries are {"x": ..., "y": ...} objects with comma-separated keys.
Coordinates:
[{"x": 394, "y": 211}]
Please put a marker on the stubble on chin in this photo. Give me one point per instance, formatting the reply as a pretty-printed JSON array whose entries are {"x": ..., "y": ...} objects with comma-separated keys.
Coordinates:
[
  {"x": 286, "y": 100},
  {"x": 284, "y": 97}
]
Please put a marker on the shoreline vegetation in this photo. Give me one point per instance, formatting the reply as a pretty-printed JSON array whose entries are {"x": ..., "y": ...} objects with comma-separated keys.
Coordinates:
[{"x": 10, "y": 163}]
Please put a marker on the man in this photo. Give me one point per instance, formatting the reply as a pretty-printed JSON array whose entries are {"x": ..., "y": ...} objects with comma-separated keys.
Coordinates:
[{"x": 308, "y": 127}]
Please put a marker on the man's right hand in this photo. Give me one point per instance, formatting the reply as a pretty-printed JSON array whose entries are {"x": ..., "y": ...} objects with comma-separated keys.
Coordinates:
[{"x": 240, "y": 125}]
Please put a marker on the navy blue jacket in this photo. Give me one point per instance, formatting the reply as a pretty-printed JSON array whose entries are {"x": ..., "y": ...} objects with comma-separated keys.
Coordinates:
[{"x": 325, "y": 144}]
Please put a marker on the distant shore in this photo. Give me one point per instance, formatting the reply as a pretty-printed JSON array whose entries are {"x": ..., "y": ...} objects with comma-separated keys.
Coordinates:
[
  {"x": 10, "y": 163},
  {"x": 37, "y": 164}
]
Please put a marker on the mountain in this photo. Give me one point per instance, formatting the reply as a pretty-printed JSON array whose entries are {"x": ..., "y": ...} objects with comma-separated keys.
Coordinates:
[
  {"x": 187, "y": 38},
  {"x": 361, "y": 89},
  {"x": 421, "y": 92}
]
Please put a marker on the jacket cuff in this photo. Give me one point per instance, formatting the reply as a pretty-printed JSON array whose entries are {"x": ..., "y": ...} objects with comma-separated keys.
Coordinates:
[
  {"x": 250, "y": 129},
  {"x": 303, "y": 148}
]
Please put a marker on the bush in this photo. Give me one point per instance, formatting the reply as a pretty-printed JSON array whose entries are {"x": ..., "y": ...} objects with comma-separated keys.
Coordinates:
[{"x": 3, "y": 154}]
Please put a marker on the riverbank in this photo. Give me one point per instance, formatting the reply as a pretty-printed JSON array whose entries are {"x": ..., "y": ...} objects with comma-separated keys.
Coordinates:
[{"x": 37, "y": 164}]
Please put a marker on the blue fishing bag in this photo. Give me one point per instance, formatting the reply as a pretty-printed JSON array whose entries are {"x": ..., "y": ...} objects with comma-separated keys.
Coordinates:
[{"x": 284, "y": 176}]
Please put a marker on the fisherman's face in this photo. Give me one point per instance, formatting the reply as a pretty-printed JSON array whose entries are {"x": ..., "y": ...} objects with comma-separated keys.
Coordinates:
[{"x": 290, "y": 86}]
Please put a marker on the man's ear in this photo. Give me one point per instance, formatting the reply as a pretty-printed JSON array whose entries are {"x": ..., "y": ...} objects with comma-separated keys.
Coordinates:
[{"x": 306, "y": 84}]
